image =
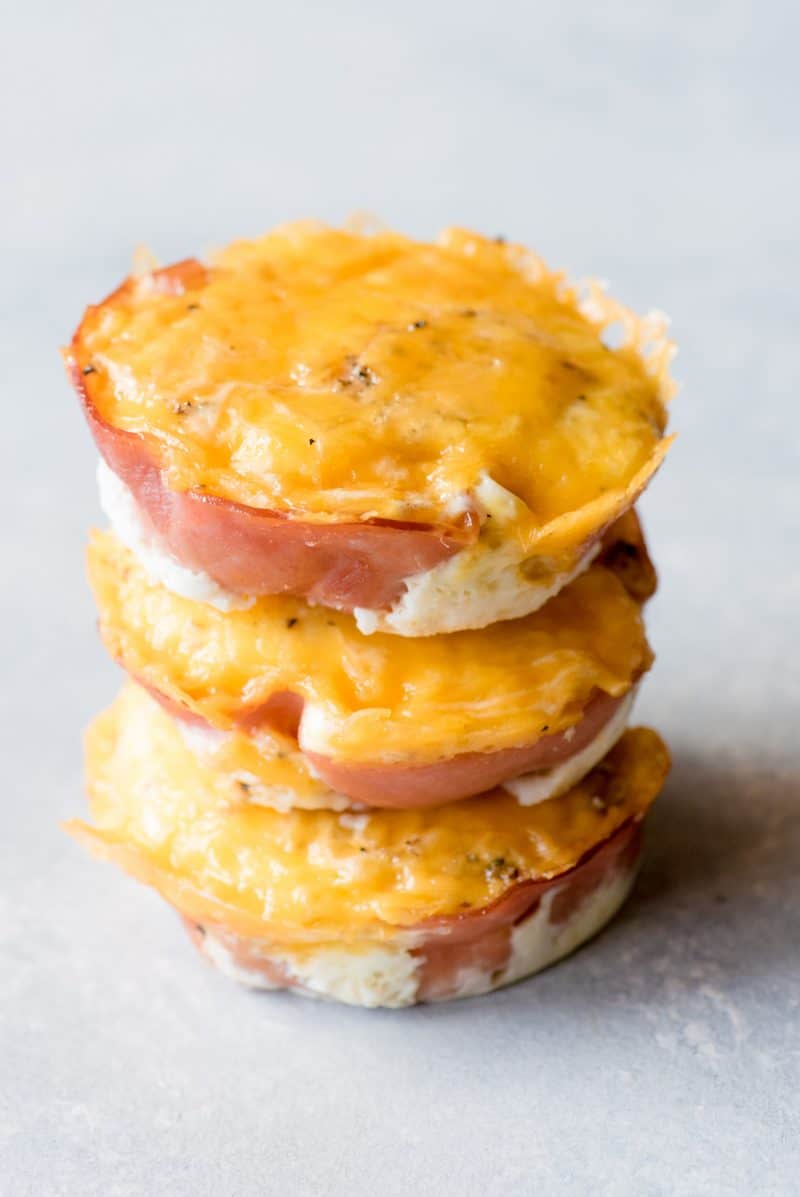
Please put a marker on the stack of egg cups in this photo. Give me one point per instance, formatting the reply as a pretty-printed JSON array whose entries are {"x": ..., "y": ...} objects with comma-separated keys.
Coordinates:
[{"x": 377, "y": 581}]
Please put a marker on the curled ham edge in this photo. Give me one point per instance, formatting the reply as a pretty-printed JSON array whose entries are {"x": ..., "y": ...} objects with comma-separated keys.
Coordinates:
[
  {"x": 402, "y": 787},
  {"x": 450, "y": 948},
  {"x": 251, "y": 551}
]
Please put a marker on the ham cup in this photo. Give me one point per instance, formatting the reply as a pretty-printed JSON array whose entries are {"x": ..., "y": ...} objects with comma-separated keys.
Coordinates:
[
  {"x": 432, "y": 437},
  {"x": 384, "y": 908},
  {"x": 305, "y": 711}
]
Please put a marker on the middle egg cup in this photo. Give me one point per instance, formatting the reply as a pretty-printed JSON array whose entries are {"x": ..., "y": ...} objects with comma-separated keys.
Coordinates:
[{"x": 301, "y": 710}]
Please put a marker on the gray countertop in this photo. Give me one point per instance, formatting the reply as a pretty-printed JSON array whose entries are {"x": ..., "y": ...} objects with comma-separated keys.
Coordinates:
[{"x": 653, "y": 145}]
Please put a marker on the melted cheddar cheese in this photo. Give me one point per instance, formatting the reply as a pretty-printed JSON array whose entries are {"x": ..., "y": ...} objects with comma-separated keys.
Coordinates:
[
  {"x": 331, "y": 375},
  {"x": 260, "y": 766},
  {"x": 376, "y": 698},
  {"x": 316, "y": 874}
]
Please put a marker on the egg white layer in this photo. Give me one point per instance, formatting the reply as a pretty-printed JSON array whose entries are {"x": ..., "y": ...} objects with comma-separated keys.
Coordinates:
[
  {"x": 549, "y": 783},
  {"x": 482, "y": 584},
  {"x": 122, "y": 512}
]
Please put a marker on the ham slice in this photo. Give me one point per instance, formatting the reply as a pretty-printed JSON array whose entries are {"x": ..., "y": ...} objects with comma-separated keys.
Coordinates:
[
  {"x": 250, "y": 551},
  {"x": 398, "y": 786}
]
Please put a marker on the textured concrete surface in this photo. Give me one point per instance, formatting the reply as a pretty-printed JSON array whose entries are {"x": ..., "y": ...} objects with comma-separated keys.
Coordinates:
[{"x": 655, "y": 145}]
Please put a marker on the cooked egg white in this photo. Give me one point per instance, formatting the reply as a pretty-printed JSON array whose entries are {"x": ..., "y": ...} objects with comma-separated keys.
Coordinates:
[
  {"x": 122, "y": 512},
  {"x": 549, "y": 783},
  {"x": 378, "y": 976},
  {"x": 482, "y": 584},
  {"x": 537, "y": 942}
]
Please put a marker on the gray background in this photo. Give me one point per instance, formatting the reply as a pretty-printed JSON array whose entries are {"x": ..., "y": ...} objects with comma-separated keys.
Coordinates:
[{"x": 652, "y": 144}]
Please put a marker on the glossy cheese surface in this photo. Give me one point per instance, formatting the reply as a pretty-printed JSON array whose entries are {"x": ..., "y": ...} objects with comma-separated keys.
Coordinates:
[
  {"x": 310, "y": 874},
  {"x": 376, "y": 698},
  {"x": 260, "y": 766},
  {"x": 332, "y": 375}
]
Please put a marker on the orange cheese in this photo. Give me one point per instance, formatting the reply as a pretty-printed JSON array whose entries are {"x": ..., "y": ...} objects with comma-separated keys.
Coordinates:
[
  {"x": 336, "y": 376},
  {"x": 316, "y": 874},
  {"x": 378, "y": 698},
  {"x": 261, "y": 765}
]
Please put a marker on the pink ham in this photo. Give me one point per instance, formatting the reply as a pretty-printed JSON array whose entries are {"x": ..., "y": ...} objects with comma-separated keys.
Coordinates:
[
  {"x": 251, "y": 551},
  {"x": 462, "y": 776},
  {"x": 482, "y": 941},
  {"x": 399, "y": 786}
]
